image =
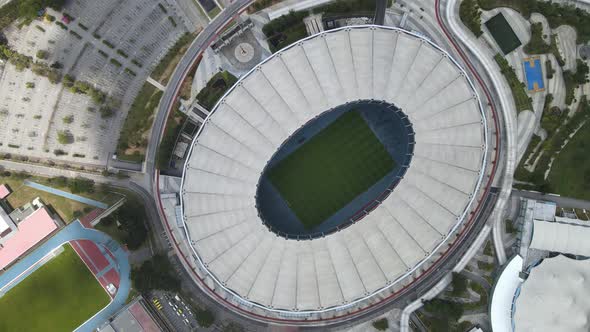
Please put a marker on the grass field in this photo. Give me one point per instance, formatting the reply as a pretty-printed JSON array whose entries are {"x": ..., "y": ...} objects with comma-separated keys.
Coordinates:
[
  {"x": 331, "y": 169},
  {"x": 503, "y": 33},
  {"x": 570, "y": 173},
  {"x": 59, "y": 296}
]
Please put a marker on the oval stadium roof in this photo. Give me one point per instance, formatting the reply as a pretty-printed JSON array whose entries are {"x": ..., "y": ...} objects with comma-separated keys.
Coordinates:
[{"x": 398, "y": 239}]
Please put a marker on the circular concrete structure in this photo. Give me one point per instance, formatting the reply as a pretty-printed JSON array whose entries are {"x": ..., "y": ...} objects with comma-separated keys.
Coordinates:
[{"x": 387, "y": 248}]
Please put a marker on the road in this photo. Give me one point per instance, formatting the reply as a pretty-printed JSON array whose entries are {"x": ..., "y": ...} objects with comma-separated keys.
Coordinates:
[
  {"x": 559, "y": 200},
  {"x": 507, "y": 108}
]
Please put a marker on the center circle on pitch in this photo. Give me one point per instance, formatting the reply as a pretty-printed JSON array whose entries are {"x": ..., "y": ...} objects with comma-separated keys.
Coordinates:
[{"x": 335, "y": 169}]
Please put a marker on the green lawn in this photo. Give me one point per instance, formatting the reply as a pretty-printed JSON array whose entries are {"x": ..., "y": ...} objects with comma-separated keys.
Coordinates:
[
  {"x": 331, "y": 169},
  {"x": 59, "y": 296},
  {"x": 215, "y": 88},
  {"x": 503, "y": 33},
  {"x": 570, "y": 173}
]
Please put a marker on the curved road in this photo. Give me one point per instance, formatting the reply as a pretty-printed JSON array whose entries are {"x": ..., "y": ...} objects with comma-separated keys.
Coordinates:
[{"x": 508, "y": 110}]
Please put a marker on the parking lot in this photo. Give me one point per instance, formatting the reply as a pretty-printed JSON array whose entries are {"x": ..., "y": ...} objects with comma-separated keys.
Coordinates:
[
  {"x": 113, "y": 45},
  {"x": 175, "y": 311}
]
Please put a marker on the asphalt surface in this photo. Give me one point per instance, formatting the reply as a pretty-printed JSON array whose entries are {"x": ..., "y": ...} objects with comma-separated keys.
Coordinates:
[
  {"x": 559, "y": 200},
  {"x": 177, "y": 313}
]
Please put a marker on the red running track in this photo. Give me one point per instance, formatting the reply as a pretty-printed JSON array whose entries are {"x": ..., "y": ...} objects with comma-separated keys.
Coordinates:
[{"x": 97, "y": 263}]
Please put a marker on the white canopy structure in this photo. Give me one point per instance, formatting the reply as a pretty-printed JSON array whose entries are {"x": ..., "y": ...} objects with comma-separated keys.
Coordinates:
[
  {"x": 504, "y": 295},
  {"x": 555, "y": 297},
  {"x": 398, "y": 240},
  {"x": 568, "y": 238}
]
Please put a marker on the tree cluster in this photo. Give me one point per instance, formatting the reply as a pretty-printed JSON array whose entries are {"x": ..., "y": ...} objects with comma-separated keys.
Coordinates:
[
  {"x": 157, "y": 273},
  {"x": 471, "y": 16}
]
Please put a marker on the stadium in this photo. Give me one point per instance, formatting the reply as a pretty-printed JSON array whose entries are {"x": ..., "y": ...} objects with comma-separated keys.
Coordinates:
[{"x": 334, "y": 174}]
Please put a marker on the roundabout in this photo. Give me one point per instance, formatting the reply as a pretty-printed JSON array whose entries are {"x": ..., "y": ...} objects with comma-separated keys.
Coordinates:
[{"x": 396, "y": 236}]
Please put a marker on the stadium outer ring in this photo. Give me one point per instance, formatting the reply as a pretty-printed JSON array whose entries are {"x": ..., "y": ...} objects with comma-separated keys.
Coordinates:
[{"x": 305, "y": 313}]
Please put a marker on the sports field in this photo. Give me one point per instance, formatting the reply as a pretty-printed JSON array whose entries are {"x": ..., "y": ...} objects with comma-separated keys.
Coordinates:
[
  {"x": 503, "y": 33},
  {"x": 331, "y": 169},
  {"x": 59, "y": 296}
]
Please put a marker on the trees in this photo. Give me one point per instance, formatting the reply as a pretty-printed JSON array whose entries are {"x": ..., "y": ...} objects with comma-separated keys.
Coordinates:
[
  {"x": 157, "y": 273},
  {"x": 81, "y": 185},
  {"x": 471, "y": 16},
  {"x": 381, "y": 324},
  {"x": 64, "y": 137},
  {"x": 68, "y": 119},
  {"x": 459, "y": 284},
  {"x": 204, "y": 317},
  {"x": 131, "y": 216},
  {"x": 42, "y": 54},
  {"x": 536, "y": 44}
]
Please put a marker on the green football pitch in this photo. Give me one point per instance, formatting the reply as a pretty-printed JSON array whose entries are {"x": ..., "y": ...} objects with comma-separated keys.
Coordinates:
[
  {"x": 60, "y": 296},
  {"x": 323, "y": 175}
]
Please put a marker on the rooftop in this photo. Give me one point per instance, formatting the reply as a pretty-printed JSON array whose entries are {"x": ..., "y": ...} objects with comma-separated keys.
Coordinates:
[
  {"x": 554, "y": 297},
  {"x": 38, "y": 225}
]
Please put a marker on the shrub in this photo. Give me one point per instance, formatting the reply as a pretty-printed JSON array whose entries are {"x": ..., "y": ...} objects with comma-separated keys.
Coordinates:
[
  {"x": 103, "y": 53},
  {"x": 50, "y": 18},
  {"x": 64, "y": 137},
  {"x": 137, "y": 63},
  {"x": 122, "y": 53},
  {"x": 163, "y": 8},
  {"x": 39, "y": 28},
  {"x": 42, "y": 54},
  {"x": 471, "y": 16},
  {"x": 172, "y": 21},
  {"x": 204, "y": 317},
  {"x": 130, "y": 72},
  {"x": 381, "y": 324},
  {"x": 68, "y": 119},
  {"x": 82, "y": 26},
  {"x": 106, "y": 112},
  {"x": 108, "y": 44},
  {"x": 75, "y": 34},
  {"x": 30, "y": 85},
  {"x": 115, "y": 62},
  {"x": 61, "y": 25}
]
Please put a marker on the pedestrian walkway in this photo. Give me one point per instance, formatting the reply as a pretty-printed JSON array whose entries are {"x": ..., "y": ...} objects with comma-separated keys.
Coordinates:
[
  {"x": 66, "y": 194},
  {"x": 75, "y": 231}
]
